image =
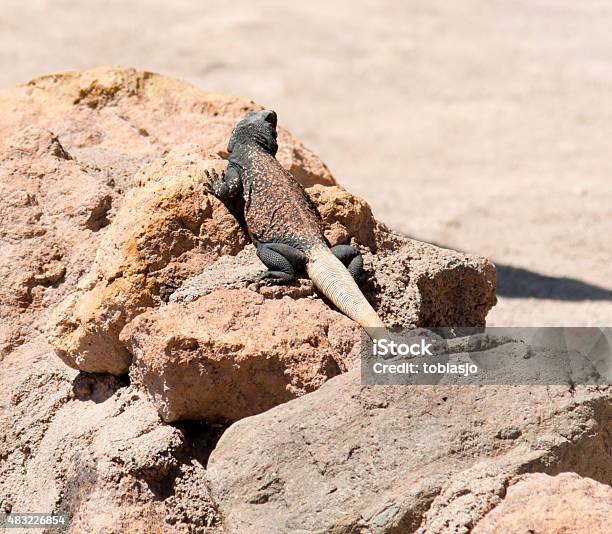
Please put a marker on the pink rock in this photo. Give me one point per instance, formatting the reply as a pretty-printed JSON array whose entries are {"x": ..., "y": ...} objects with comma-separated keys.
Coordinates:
[
  {"x": 553, "y": 505},
  {"x": 232, "y": 353}
]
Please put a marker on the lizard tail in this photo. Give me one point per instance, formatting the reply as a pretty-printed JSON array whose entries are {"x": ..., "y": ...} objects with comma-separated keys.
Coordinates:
[{"x": 331, "y": 277}]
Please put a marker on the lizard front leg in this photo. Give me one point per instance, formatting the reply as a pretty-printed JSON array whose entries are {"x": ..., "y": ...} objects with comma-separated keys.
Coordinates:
[{"x": 229, "y": 185}]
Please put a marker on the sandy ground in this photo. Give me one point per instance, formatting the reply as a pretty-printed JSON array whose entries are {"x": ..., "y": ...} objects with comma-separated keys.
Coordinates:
[{"x": 483, "y": 126}]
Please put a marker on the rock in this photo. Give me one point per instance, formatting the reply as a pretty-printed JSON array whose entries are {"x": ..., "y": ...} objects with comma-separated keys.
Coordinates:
[
  {"x": 228, "y": 272},
  {"x": 540, "y": 503},
  {"x": 352, "y": 458},
  {"x": 236, "y": 272},
  {"x": 417, "y": 284},
  {"x": 70, "y": 146},
  {"x": 137, "y": 113},
  {"x": 167, "y": 228},
  {"x": 95, "y": 448},
  {"x": 77, "y": 180},
  {"x": 106, "y": 215},
  {"x": 51, "y": 212},
  {"x": 234, "y": 353},
  {"x": 344, "y": 216}
]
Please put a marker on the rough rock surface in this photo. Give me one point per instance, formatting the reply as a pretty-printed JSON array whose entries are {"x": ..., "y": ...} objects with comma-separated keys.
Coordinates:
[
  {"x": 167, "y": 228},
  {"x": 417, "y": 284},
  {"x": 106, "y": 215},
  {"x": 555, "y": 505},
  {"x": 51, "y": 213},
  {"x": 80, "y": 152},
  {"x": 94, "y": 447},
  {"x": 351, "y": 458},
  {"x": 344, "y": 216},
  {"x": 234, "y": 353},
  {"x": 70, "y": 148},
  {"x": 127, "y": 111}
]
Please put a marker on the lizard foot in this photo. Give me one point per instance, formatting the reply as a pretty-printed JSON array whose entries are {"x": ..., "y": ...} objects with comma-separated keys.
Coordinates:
[
  {"x": 352, "y": 260},
  {"x": 274, "y": 277}
]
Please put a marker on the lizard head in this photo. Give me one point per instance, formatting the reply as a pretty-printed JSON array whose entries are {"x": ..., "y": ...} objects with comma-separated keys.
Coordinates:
[{"x": 257, "y": 127}]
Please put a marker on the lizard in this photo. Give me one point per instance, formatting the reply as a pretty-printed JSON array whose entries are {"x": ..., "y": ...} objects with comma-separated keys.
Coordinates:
[{"x": 283, "y": 222}]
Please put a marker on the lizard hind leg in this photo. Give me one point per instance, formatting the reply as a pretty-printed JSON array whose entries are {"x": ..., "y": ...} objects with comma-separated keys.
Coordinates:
[
  {"x": 351, "y": 258},
  {"x": 281, "y": 260}
]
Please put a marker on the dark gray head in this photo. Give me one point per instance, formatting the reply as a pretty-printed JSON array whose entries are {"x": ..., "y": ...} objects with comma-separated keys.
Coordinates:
[{"x": 257, "y": 127}]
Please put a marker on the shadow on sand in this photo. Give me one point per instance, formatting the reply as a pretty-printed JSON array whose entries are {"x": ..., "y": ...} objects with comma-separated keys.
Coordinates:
[{"x": 514, "y": 282}]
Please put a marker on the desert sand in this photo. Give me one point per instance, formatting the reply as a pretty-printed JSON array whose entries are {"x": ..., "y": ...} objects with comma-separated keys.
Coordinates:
[{"x": 474, "y": 125}]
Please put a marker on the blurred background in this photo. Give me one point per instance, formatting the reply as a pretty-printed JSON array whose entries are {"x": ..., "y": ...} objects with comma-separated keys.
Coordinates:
[{"x": 479, "y": 125}]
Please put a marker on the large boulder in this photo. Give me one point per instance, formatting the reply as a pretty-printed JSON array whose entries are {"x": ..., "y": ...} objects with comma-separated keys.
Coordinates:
[
  {"x": 106, "y": 215},
  {"x": 71, "y": 145},
  {"x": 161, "y": 228},
  {"x": 353, "y": 458}
]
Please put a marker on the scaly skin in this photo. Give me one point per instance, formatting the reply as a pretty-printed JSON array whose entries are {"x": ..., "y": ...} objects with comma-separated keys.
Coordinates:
[
  {"x": 276, "y": 208},
  {"x": 284, "y": 223}
]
